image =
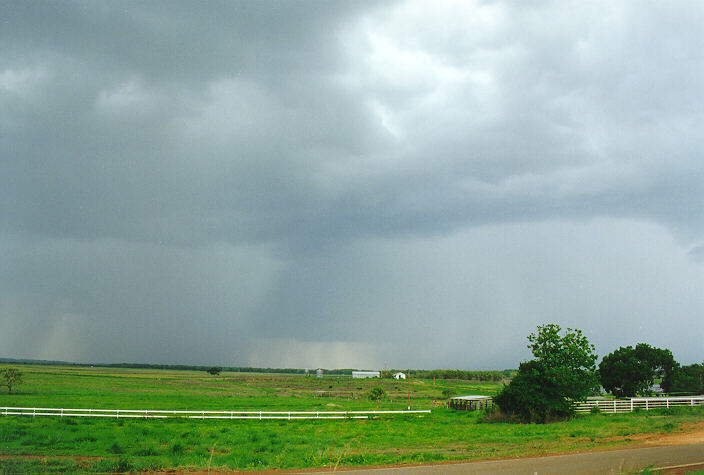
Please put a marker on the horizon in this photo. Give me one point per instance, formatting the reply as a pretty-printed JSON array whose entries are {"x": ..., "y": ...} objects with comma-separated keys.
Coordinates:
[{"x": 225, "y": 367}]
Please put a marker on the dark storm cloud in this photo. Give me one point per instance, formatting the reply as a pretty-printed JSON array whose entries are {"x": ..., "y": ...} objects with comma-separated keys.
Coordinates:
[
  {"x": 357, "y": 183},
  {"x": 176, "y": 42},
  {"x": 475, "y": 295},
  {"x": 103, "y": 130}
]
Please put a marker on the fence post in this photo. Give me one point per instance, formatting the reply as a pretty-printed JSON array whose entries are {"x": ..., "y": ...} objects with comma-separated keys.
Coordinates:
[
  {"x": 646, "y": 404},
  {"x": 631, "y": 404},
  {"x": 667, "y": 402},
  {"x": 614, "y": 406}
]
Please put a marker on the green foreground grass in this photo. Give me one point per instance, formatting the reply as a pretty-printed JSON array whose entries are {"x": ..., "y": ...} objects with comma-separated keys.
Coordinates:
[{"x": 45, "y": 444}]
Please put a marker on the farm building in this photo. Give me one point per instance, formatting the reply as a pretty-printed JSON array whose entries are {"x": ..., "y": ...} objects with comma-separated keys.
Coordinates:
[
  {"x": 470, "y": 403},
  {"x": 366, "y": 374},
  {"x": 399, "y": 375}
]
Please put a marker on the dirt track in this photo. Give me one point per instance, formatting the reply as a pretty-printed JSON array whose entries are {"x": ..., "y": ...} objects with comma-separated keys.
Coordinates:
[
  {"x": 671, "y": 453},
  {"x": 669, "y": 458}
]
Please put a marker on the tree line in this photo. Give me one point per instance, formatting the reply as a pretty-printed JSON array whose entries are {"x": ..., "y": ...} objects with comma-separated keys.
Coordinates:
[
  {"x": 631, "y": 371},
  {"x": 464, "y": 375},
  {"x": 415, "y": 373},
  {"x": 178, "y": 367},
  {"x": 564, "y": 372}
]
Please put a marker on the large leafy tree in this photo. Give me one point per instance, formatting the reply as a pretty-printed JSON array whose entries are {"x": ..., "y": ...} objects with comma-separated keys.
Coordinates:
[
  {"x": 689, "y": 379},
  {"x": 562, "y": 373},
  {"x": 630, "y": 371}
]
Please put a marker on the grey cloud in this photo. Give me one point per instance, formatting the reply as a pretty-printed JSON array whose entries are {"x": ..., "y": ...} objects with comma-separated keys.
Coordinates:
[
  {"x": 174, "y": 41},
  {"x": 697, "y": 253},
  {"x": 470, "y": 298},
  {"x": 157, "y": 154},
  {"x": 133, "y": 148},
  {"x": 136, "y": 302}
]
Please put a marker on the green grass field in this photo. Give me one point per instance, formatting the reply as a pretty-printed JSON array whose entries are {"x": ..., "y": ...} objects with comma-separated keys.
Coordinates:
[{"x": 45, "y": 444}]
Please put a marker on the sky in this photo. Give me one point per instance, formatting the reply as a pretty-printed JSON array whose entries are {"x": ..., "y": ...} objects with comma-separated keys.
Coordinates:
[{"x": 371, "y": 185}]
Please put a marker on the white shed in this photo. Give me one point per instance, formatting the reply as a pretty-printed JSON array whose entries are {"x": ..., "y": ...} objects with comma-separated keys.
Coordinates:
[{"x": 399, "y": 375}]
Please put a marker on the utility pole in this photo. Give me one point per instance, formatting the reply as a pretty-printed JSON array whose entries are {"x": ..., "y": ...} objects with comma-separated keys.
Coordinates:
[{"x": 409, "y": 389}]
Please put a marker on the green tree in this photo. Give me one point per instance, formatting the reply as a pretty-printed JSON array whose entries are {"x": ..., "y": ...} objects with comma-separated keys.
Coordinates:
[
  {"x": 11, "y": 377},
  {"x": 689, "y": 379},
  {"x": 547, "y": 387},
  {"x": 214, "y": 370},
  {"x": 377, "y": 393},
  {"x": 630, "y": 371}
]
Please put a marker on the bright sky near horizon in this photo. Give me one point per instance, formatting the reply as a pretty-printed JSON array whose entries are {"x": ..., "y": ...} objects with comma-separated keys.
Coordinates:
[{"x": 349, "y": 184}]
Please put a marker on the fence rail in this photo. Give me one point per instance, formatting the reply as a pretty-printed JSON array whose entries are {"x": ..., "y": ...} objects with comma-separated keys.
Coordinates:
[
  {"x": 613, "y": 406},
  {"x": 163, "y": 414}
]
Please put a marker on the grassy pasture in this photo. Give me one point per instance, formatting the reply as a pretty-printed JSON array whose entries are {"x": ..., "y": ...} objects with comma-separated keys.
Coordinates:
[
  {"x": 92, "y": 444},
  {"x": 119, "y": 388}
]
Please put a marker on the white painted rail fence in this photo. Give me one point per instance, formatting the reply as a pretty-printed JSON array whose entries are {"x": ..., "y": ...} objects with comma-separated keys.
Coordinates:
[
  {"x": 613, "y": 406},
  {"x": 162, "y": 414}
]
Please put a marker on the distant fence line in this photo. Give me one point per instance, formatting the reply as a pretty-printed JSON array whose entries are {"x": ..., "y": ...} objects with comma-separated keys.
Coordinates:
[
  {"x": 163, "y": 414},
  {"x": 613, "y": 406}
]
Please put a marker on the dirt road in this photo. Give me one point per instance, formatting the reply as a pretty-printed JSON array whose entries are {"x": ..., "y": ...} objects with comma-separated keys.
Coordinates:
[
  {"x": 671, "y": 453},
  {"x": 614, "y": 461}
]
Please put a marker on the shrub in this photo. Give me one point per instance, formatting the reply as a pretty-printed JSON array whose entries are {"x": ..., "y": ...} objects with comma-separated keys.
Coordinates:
[{"x": 377, "y": 393}]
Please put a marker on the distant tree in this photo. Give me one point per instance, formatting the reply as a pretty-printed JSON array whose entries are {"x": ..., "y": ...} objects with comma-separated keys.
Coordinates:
[
  {"x": 547, "y": 387},
  {"x": 377, "y": 393},
  {"x": 11, "y": 377},
  {"x": 630, "y": 371},
  {"x": 214, "y": 370},
  {"x": 689, "y": 379}
]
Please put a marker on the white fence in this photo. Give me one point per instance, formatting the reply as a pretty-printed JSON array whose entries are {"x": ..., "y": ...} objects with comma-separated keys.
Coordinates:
[
  {"x": 161, "y": 414},
  {"x": 613, "y": 406}
]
